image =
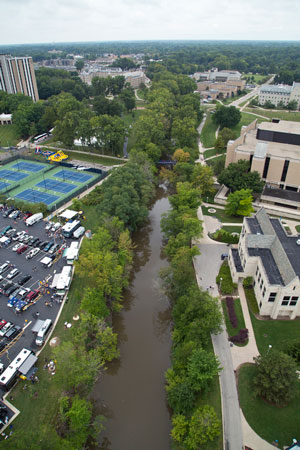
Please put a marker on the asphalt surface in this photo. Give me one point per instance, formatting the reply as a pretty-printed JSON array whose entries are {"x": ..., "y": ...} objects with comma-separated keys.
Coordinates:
[
  {"x": 33, "y": 267},
  {"x": 207, "y": 266}
]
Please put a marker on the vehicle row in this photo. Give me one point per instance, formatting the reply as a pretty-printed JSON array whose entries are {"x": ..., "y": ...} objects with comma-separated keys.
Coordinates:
[
  {"x": 18, "y": 296},
  {"x": 8, "y": 332}
]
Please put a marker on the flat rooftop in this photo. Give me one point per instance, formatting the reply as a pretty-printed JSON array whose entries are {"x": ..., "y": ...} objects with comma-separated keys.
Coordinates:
[{"x": 283, "y": 126}]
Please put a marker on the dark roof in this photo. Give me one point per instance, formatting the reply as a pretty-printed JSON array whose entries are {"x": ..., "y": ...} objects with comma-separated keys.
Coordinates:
[
  {"x": 237, "y": 260},
  {"x": 282, "y": 194},
  {"x": 254, "y": 225},
  {"x": 289, "y": 243},
  {"x": 269, "y": 264}
]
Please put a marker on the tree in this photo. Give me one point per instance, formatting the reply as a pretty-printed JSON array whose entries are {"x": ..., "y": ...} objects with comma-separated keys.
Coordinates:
[
  {"x": 79, "y": 65},
  {"x": 239, "y": 203},
  {"x": 276, "y": 377},
  {"x": 79, "y": 417},
  {"x": 204, "y": 426},
  {"x": 93, "y": 302},
  {"x": 180, "y": 156},
  {"x": 227, "y": 116},
  {"x": 202, "y": 367},
  {"x": 237, "y": 176},
  {"x": 109, "y": 132},
  {"x": 292, "y": 105},
  {"x": 226, "y": 134},
  {"x": 203, "y": 179},
  {"x": 180, "y": 427}
]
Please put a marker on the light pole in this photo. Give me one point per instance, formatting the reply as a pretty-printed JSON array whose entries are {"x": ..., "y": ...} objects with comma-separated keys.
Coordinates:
[
  {"x": 221, "y": 279},
  {"x": 270, "y": 346}
]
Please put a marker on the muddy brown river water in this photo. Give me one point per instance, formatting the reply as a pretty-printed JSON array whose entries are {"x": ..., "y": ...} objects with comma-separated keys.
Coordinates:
[{"x": 131, "y": 392}]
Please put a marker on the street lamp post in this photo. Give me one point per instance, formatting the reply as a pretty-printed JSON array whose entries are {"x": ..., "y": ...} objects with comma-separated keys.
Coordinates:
[
  {"x": 270, "y": 346},
  {"x": 221, "y": 279}
]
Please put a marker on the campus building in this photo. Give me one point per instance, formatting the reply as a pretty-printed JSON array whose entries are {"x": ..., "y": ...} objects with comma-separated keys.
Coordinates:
[
  {"x": 273, "y": 150},
  {"x": 281, "y": 93},
  {"x": 17, "y": 76},
  {"x": 218, "y": 76},
  {"x": 266, "y": 253}
]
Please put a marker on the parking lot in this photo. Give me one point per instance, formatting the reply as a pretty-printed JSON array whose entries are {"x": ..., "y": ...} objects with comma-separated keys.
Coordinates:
[{"x": 43, "y": 306}]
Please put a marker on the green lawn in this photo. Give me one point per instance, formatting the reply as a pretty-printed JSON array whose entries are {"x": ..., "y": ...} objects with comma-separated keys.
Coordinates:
[
  {"x": 245, "y": 120},
  {"x": 130, "y": 118},
  {"x": 240, "y": 319},
  {"x": 8, "y": 136},
  {"x": 267, "y": 421},
  {"x": 213, "y": 152},
  {"x": 94, "y": 159},
  {"x": 298, "y": 228},
  {"x": 220, "y": 214},
  {"x": 277, "y": 333},
  {"x": 208, "y": 135},
  {"x": 92, "y": 218},
  {"x": 284, "y": 115},
  {"x": 141, "y": 93},
  {"x": 257, "y": 77},
  {"x": 251, "y": 300},
  {"x": 232, "y": 228}
]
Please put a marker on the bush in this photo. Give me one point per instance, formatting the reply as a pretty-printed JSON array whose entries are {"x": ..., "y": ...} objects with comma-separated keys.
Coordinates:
[
  {"x": 251, "y": 300},
  {"x": 241, "y": 337},
  {"x": 224, "y": 236},
  {"x": 248, "y": 282},
  {"x": 231, "y": 311},
  {"x": 293, "y": 350}
]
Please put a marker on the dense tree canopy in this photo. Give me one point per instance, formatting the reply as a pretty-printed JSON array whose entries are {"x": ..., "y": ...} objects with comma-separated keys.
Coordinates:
[
  {"x": 227, "y": 116},
  {"x": 237, "y": 176}
]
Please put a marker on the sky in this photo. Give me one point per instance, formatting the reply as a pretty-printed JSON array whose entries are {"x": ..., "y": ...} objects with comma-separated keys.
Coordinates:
[{"x": 37, "y": 21}]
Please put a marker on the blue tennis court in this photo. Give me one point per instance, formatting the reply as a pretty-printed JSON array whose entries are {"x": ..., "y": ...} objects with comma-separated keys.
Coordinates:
[
  {"x": 29, "y": 167},
  {"x": 10, "y": 175},
  {"x": 73, "y": 176},
  {"x": 32, "y": 196},
  {"x": 3, "y": 185},
  {"x": 58, "y": 186}
]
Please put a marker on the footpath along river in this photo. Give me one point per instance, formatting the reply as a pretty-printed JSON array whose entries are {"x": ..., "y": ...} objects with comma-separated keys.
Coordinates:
[{"x": 131, "y": 392}]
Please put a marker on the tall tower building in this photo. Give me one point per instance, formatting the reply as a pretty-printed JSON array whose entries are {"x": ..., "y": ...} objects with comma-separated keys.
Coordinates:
[{"x": 17, "y": 76}]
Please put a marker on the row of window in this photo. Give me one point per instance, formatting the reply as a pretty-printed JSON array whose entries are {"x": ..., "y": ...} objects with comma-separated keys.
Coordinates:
[{"x": 291, "y": 301}]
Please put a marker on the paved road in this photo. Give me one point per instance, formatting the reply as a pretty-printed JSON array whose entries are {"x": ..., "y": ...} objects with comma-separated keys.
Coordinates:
[{"x": 207, "y": 266}]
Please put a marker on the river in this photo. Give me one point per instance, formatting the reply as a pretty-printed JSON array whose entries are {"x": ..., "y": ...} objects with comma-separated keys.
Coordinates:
[{"x": 131, "y": 392}]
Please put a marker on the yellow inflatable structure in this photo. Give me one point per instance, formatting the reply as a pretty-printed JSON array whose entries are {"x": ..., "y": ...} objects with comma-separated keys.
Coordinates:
[{"x": 58, "y": 156}]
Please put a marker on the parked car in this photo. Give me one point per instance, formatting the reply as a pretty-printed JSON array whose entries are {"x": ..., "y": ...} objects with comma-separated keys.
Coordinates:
[
  {"x": 32, "y": 295},
  {"x": 8, "y": 212},
  {"x": 17, "y": 246},
  {"x": 24, "y": 279},
  {"x": 3, "y": 415},
  {"x": 22, "y": 249},
  {"x": 23, "y": 237},
  {"x": 20, "y": 305},
  {"x": 32, "y": 253},
  {"x": 10, "y": 290},
  {"x": 26, "y": 239},
  {"x": 2, "y": 323},
  {"x": 10, "y": 232},
  {"x": 48, "y": 246},
  {"x": 56, "y": 226},
  {"x": 49, "y": 225},
  {"x": 13, "y": 273},
  {"x": 27, "y": 215},
  {"x": 14, "y": 215},
  {"x": 54, "y": 249},
  {"x": 13, "y": 332},
  {"x": 43, "y": 245},
  {"x": 4, "y": 267},
  {"x": 4, "y": 286},
  {"x": 37, "y": 243},
  {"x": 32, "y": 241},
  {"x": 5, "y": 230},
  {"x": 6, "y": 327}
]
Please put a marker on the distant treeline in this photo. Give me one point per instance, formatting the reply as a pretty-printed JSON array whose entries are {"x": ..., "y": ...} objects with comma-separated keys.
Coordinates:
[{"x": 184, "y": 56}]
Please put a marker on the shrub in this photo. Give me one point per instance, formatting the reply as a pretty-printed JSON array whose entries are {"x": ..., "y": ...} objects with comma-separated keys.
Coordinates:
[
  {"x": 251, "y": 300},
  {"x": 241, "y": 337},
  {"x": 224, "y": 236},
  {"x": 248, "y": 282},
  {"x": 293, "y": 350},
  {"x": 231, "y": 311},
  {"x": 226, "y": 284}
]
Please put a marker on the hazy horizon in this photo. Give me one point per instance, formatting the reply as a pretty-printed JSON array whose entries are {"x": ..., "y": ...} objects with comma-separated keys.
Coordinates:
[{"x": 66, "y": 21}]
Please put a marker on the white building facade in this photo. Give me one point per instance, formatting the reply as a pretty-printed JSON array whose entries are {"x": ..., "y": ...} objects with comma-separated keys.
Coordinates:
[
  {"x": 266, "y": 253},
  {"x": 281, "y": 93}
]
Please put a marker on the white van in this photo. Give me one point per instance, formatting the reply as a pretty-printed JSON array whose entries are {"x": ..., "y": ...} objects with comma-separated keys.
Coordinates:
[
  {"x": 34, "y": 219},
  {"x": 79, "y": 232},
  {"x": 41, "y": 336}
]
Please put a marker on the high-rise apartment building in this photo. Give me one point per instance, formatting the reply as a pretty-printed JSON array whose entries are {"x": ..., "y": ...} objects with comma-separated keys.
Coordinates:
[{"x": 17, "y": 76}]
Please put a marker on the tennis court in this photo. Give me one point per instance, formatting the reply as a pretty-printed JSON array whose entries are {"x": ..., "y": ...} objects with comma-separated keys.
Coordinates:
[
  {"x": 73, "y": 176},
  {"x": 10, "y": 175},
  {"x": 58, "y": 186},
  {"x": 33, "y": 196},
  {"x": 29, "y": 167},
  {"x": 3, "y": 185}
]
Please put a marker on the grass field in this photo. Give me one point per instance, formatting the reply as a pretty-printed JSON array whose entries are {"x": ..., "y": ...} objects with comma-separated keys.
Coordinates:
[
  {"x": 213, "y": 152},
  {"x": 245, "y": 120},
  {"x": 267, "y": 421},
  {"x": 240, "y": 319},
  {"x": 141, "y": 93},
  {"x": 208, "y": 135},
  {"x": 8, "y": 136},
  {"x": 257, "y": 77},
  {"x": 94, "y": 159},
  {"x": 220, "y": 214},
  {"x": 284, "y": 115},
  {"x": 232, "y": 228}
]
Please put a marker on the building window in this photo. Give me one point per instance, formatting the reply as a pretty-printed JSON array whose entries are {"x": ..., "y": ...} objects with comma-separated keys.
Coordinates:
[
  {"x": 285, "y": 301},
  {"x": 285, "y": 170},
  {"x": 259, "y": 277},
  {"x": 260, "y": 303},
  {"x": 256, "y": 271},
  {"x": 272, "y": 297},
  {"x": 293, "y": 301},
  {"x": 261, "y": 284},
  {"x": 266, "y": 167},
  {"x": 264, "y": 291}
]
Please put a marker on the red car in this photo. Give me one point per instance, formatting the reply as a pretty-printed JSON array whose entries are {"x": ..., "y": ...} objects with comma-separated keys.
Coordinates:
[
  {"x": 22, "y": 249},
  {"x": 32, "y": 295},
  {"x": 2, "y": 323},
  {"x": 26, "y": 216}
]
